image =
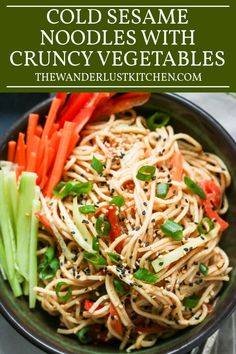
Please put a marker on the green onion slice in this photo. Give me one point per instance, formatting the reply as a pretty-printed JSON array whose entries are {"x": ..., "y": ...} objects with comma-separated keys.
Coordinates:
[
  {"x": 85, "y": 335},
  {"x": 87, "y": 209},
  {"x": 102, "y": 226},
  {"x": 146, "y": 276},
  {"x": 202, "y": 229},
  {"x": 118, "y": 200},
  {"x": 203, "y": 268},
  {"x": 172, "y": 229},
  {"x": 119, "y": 287},
  {"x": 97, "y": 165},
  {"x": 95, "y": 244},
  {"x": 194, "y": 187},
  {"x": 95, "y": 259},
  {"x": 67, "y": 296},
  {"x": 115, "y": 257},
  {"x": 191, "y": 301},
  {"x": 63, "y": 189},
  {"x": 162, "y": 190},
  {"x": 157, "y": 120},
  {"x": 49, "y": 265},
  {"x": 145, "y": 173}
]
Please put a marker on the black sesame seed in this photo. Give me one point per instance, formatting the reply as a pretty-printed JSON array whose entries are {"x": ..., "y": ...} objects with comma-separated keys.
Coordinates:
[{"x": 144, "y": 212}]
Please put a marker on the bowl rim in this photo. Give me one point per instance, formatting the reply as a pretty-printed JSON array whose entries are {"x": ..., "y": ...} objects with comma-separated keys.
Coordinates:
[{"x": 18, "y": 325}]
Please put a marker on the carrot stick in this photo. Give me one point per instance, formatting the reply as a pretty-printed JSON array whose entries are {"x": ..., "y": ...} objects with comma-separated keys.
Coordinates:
[
  {"x": 39, "y": 130},
  {"x": 73, "y": 141},
  {"x": 55, "y": 140},
  {"x": 31, "y": 163},
  {"x": 32, "y": 124},
  {"x": 62, "y": 96},
  {"x": 52, "y": 115},
  {"x": 34, "y": 150},
  {"x": 57, "y": 170},
  {"x": 11, "y": 151},
  {"x": 44, "y": 165},
  {"x": 51, "y": 158},
  {"x": 20, "y": 150}
]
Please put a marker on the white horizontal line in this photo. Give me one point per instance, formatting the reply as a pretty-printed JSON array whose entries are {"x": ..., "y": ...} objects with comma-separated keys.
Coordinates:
[
  {"x": 119, "y": 6},
  {"x": 101, "y": 87}
]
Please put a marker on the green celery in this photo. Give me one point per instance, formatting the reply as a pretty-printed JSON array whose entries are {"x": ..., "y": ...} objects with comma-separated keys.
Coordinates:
[
  {"x": 23, "y": 226},
  {"x": 33, "y": 254}
]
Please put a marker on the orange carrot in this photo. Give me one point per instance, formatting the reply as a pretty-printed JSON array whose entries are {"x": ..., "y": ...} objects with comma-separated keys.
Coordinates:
[
  {"x": 32, "y": 125},
  {"x": 34, "y": 149},
  {"x": 115, "y": 321},
  {"x": 44, "y": 164},
  {"x": 52, "y": 115},
  {"x": 39, "y": 130},
  {"x": 44, "y": 221},
  {"x": 20, "y": 150},
  {"x": 176, "y": 163},
  {"x": 57, "y": 170},
  {"x": 31, "y": 163},
  {"x": 74, "y": 140},
  {"x": 55, "y": 140},
  {"x": 11, "y": 151}
]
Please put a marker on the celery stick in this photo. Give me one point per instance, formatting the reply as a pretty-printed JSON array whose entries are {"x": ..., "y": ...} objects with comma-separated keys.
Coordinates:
[
  {"x": 33, "y": 254},
  {"x": 23, "y": 225},
  {"x": 173, "y": 256},
  {"x": 6, "y": 233},
  {"x": 15, "y": 286},
  {"x": 78, "y": 221},
  {"x": 3, "y": 259},
  {"x": 26, "y": 288},
  {"x": 12, "y": 196}
]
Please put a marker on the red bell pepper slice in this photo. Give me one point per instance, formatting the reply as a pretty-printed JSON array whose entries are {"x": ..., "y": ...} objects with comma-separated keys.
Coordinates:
[
  {"x": 212, "y": 202},
  {"x": 116, "y": 230},
  {"x": 116, "y": 322},
  {"x": 89, "y": 303}
]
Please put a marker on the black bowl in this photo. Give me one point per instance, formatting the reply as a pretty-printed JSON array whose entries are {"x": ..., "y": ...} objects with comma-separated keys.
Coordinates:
[{"x": 40, "y": 328}]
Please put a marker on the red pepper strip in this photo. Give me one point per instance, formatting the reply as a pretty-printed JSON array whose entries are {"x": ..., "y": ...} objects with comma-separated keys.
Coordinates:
[
  {"x": 210, "y": 309},
  {"x": 116, "y": 230},
  {"x": 89, "y": 303},
  {"x": 212, "y": 192},
  {"x": 121, "y": 103},
  {"x": 62, "y": 96},
  {"x": 115, "y": 321},
  {"x": 176, "y": 163},
  {"x": 150, "y": 330},
  {"x": 86, "y": 112},
  {"x": 74, "y": 107},
  {"x": 44, "y": 221},
  {"x": 213, "y": 200}
]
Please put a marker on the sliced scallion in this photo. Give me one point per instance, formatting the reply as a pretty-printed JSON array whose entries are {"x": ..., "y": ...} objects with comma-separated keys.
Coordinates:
[
  {"x": 162, "y": 190},
  {"x": 95, "y": 259},
  {"x": 118, "y": 200},
  {"x": 191, "y": 301},
  {"x": 145, "y": 173},
  {"x": 194, "y": 187},
  {"x": 202, "y": 229},
  {"x": 203, "y": 268},
  {"x": 63, "y": 189},
  {"x": 157, "y": 120},
  {"x": 95, "y": 244},
  {"x": 172, "y": 229},
  {"x": 115, "y": 257},
  {"x": 65, "y": 297},
  {"x": 102, "y": 226},
  {"x": 87, "y": 209},
  {"x": 119, "y": 287},
  {"x": 97, "y": 165},
  {"x": 85, "y": 335},
  {"x": 147, "y": 277}
]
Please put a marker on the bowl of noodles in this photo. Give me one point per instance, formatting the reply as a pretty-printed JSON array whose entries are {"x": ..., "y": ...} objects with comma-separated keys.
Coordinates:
[{"x": 135, "y": 243}]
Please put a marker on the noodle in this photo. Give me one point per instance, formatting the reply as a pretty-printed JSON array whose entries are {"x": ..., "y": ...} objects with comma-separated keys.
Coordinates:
[{"x": 144, "y": 312}]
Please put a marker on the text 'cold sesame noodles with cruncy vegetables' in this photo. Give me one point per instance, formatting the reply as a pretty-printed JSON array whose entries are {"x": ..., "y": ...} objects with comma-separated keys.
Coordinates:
[{"x": 127, "y": 244}]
